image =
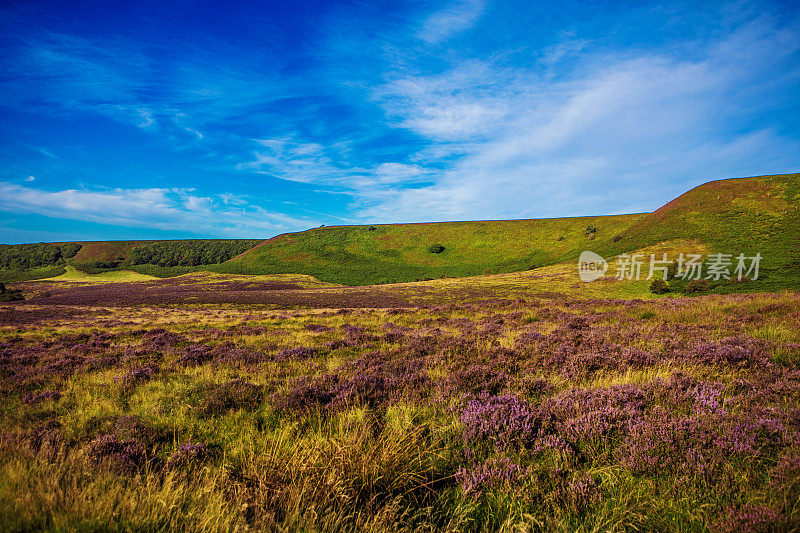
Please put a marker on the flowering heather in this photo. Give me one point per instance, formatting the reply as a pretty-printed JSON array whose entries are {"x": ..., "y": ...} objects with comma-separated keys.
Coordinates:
[
  {"x": 308, "y": 394},
  {"x": 507, "y": 421},
  {"x": 752, "y": 519},
  {"x": 357, "y": 336},
  {"x": 476, "y": 379},
  {"x": 377, "y": 383},
  {"x": 698, "y": 445},
  {"x": 38, "y": 397},
  {"x": 230, "y": 354},
  {"x": 736, "y": 352},
  {"x": 196, "y": 354},
  {"x": 581, "y": 493},
  {"x": 136, "y": 376},
  {"x": 298, "y": 354},
  {"x": 471, "y": 409},
  {"x": 161, "y": 338},
  {"x": 123, "y": 456},
  {"x": 493, "y": 473},
  {"x": 235, "y": 394},
  {"x": 44, "y": 436},
  {"x": 191, "y": 455},
  {"x": 368, "y": 381}
]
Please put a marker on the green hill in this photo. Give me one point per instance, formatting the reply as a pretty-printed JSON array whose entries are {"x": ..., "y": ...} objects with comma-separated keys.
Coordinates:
[
  {"x": 743, "y": 215},
  {"x": 357, "y": 255}
]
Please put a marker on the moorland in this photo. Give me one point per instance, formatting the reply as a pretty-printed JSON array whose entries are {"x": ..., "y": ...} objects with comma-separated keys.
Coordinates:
[{"x": 445, "y": 376}]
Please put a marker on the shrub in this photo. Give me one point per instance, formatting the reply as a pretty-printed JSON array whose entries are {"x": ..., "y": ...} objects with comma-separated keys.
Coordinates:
[
  {"x": 697, "y": 286},
  {"x": 236, "y": 394},
  {"x": 122, "y": 456},
  {"x": 191, "y": 455},
  {"x": 11, "y": 296},
  {"x": 136, "y": 376},
  {"x": 436, "y": 248},
  {"x": 659, "y": 286},
  {"x": 493, "y": 473},
  {"x": 507, "y": 421},
  {"x": 476, "y": 379},
  {"x": 590, "y": 229},
  {"x": 38, "y": 397},
  {"x": 617, "y": 238}
]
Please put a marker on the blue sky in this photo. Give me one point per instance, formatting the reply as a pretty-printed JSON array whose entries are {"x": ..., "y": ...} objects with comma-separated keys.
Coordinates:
[{"x": 198, "y": 119}]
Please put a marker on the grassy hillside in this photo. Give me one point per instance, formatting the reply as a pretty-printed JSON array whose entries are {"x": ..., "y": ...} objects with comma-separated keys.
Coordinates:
[
  {"x": 357, "y": 255},
  {"x": 745, "y": 215}
]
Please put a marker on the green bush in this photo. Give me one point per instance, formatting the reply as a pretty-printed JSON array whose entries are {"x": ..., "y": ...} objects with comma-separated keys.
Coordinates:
[
  {"x": 10, "y": 295},
  {"x": 697, "y": 286},
  {"x": 436, "y": 248},
  {"x": 659, "y": 286}
]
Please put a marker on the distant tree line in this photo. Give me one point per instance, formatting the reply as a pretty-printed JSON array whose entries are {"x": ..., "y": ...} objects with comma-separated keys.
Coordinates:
[
  {"x": 26, "y": 256},
  {"x": 188, "y": 253},
  {"x": 22, "y": 257}
]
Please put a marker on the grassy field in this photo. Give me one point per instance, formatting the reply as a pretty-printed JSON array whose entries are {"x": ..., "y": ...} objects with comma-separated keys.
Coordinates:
[
  {"x": 505, "y": 396},
  {"x": 507, "y": 402},
  {"x": 72, "y": 274},
  {"x": 360, "y": 255}
]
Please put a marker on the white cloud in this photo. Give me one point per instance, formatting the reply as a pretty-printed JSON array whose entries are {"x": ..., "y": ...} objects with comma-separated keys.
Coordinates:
[
  {"x": 567, "y": 47},
  {"x": 398, "y": 172},
  {"x": 461, "y": 104},
  {"x": 616, "y": 132},
  {"x": 456, "y": 18},
  {"x": 164, "y": 209},
  {"x": 288, "y": 159}
]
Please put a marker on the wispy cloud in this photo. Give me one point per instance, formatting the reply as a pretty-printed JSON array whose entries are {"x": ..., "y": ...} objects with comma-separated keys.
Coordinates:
[
  {"x": 313, "y": 163},
  {"x": 462, "y": 110},
  {"x": 531, "y": 146},
  {"x": 443, "y": 24},
  {"x": 291, "y": 160},
  {"x": 158, "y": 208},
  {"x": 65, "y": 74}
]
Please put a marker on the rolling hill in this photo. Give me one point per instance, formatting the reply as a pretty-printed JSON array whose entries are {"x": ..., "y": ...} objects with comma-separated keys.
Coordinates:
[
  {"x": 742, "y": 215},
  {"x": 358, "y": 255}
]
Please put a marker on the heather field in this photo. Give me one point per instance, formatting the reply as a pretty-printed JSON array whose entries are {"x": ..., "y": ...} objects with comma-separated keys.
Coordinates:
[{"x": 511, "y": 402}]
